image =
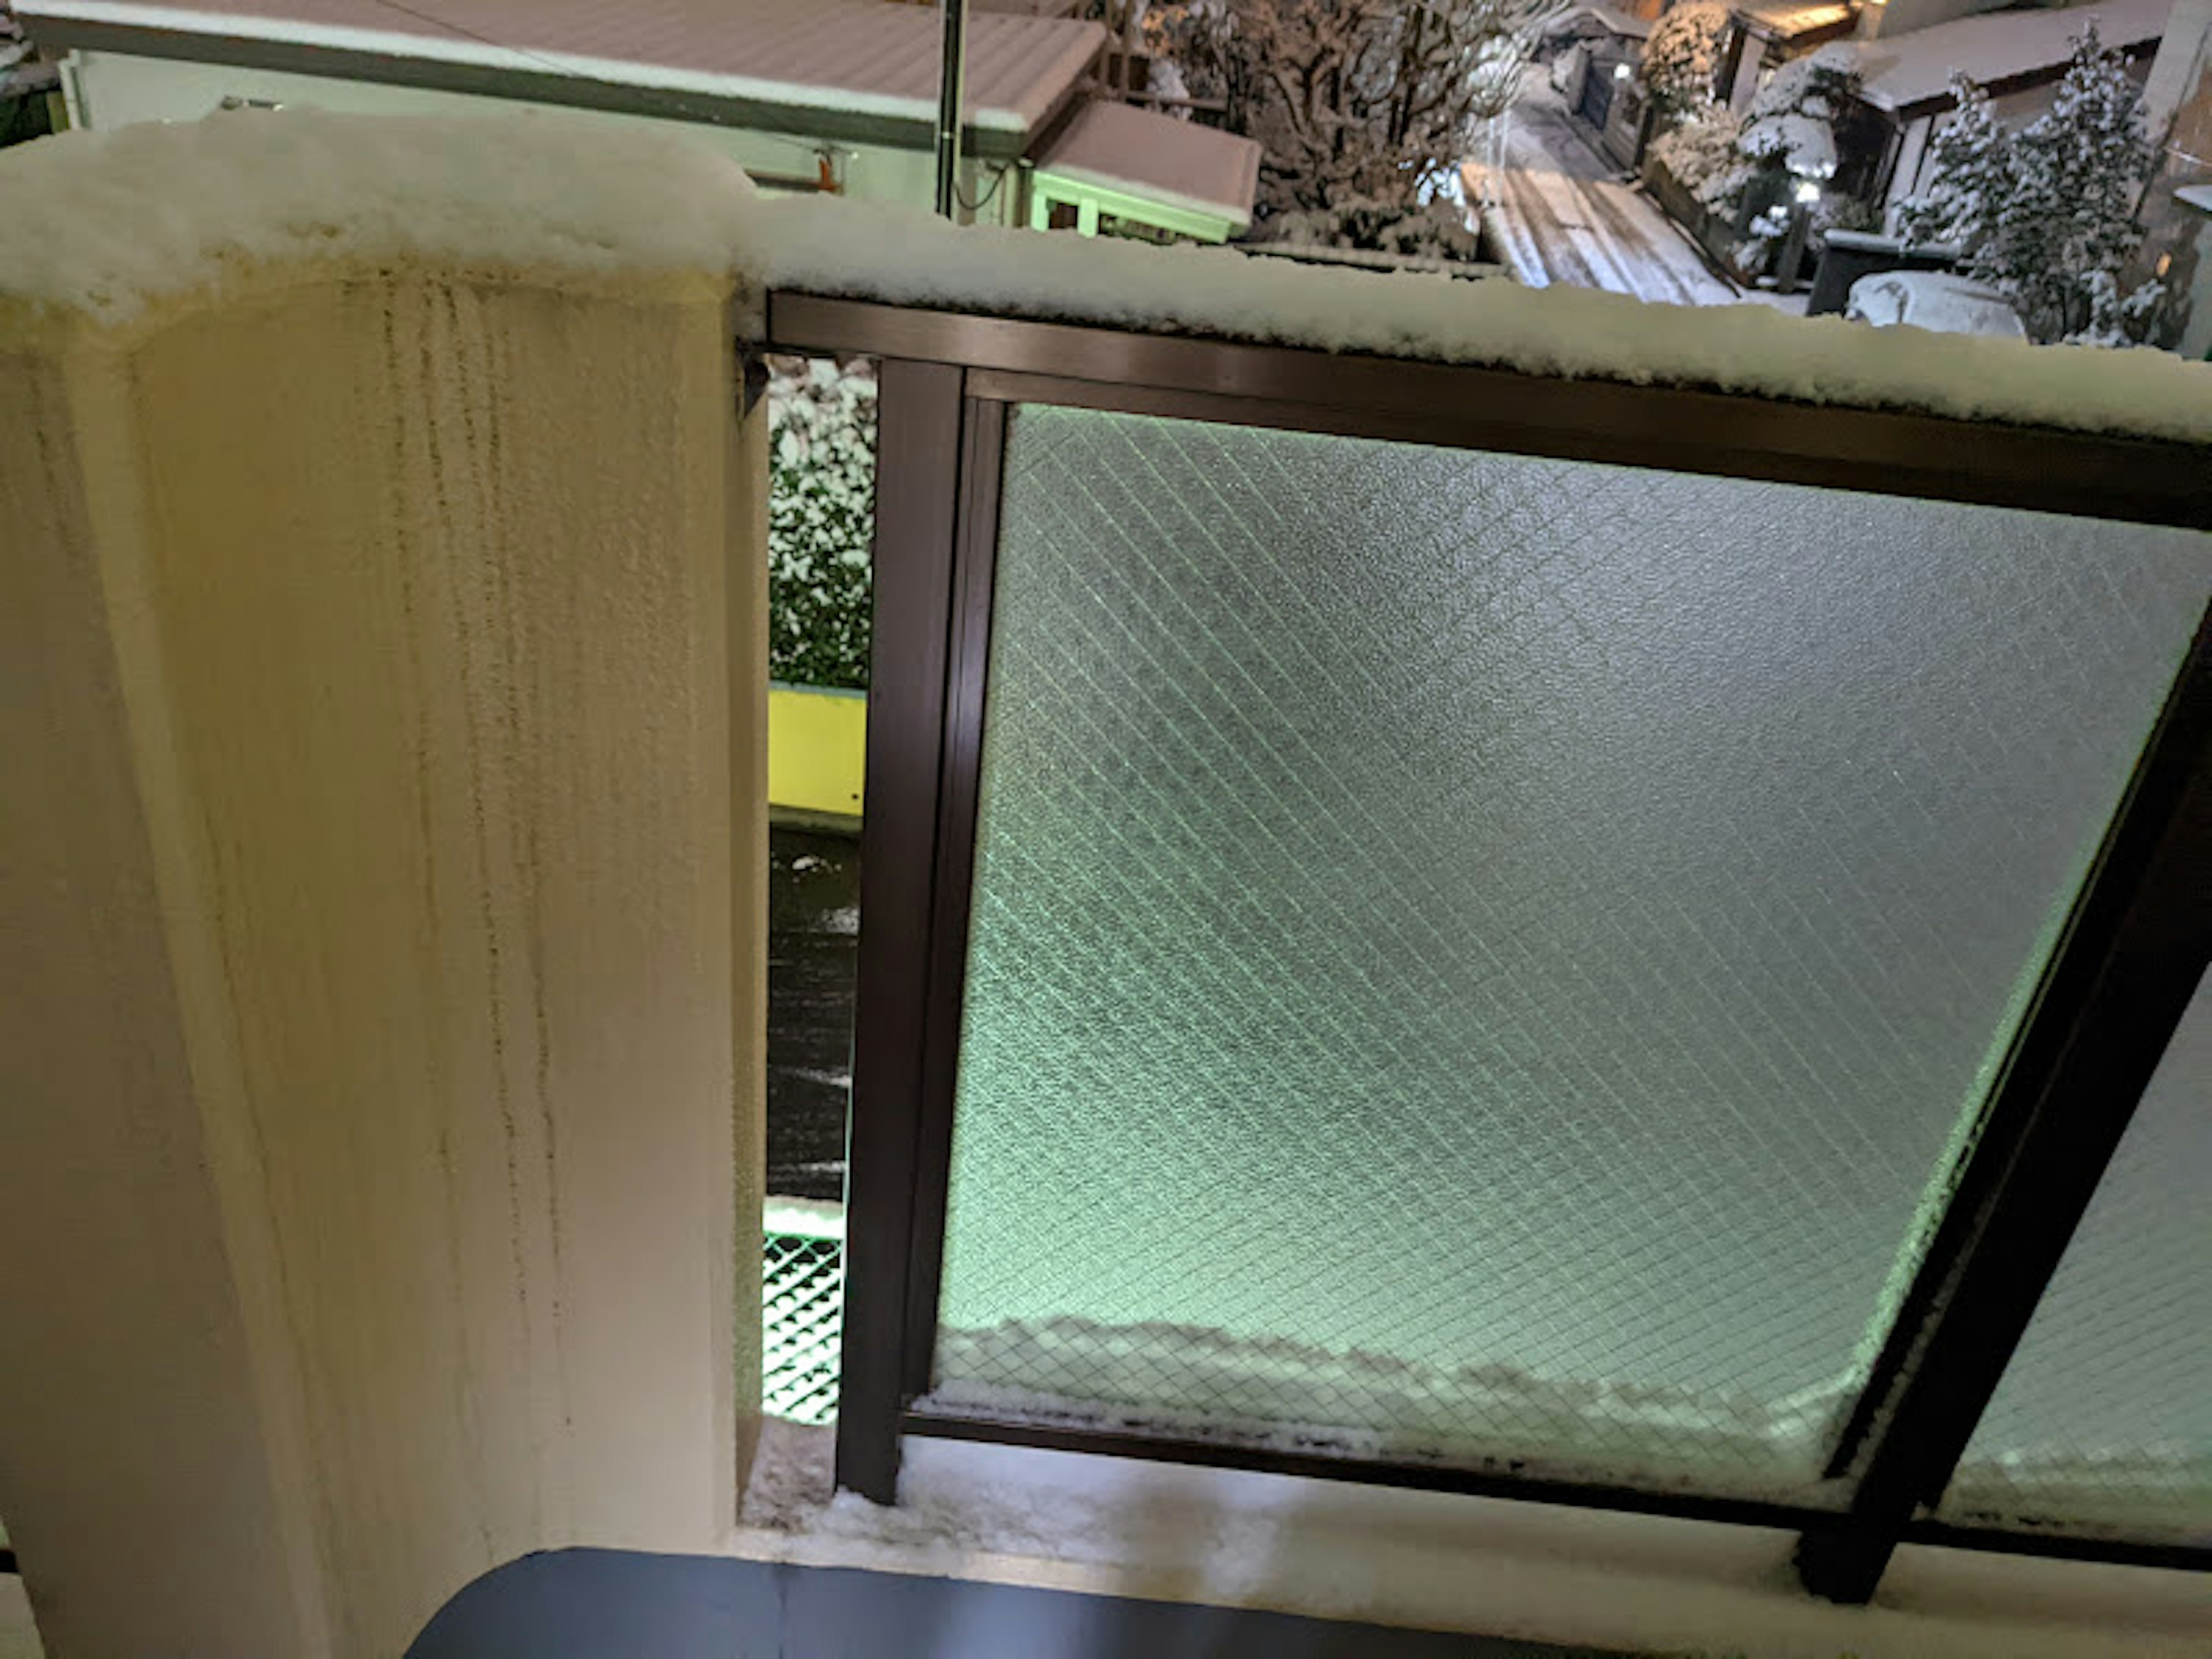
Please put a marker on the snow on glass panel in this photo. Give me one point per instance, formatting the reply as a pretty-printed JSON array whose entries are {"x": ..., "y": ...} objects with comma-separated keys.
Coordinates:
[
  {"x": 2103, "y": 1420},
  {"x": 1491, "y": 958}
]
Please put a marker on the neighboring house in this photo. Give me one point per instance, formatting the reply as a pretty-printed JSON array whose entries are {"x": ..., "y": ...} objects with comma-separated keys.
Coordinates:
[
  {"x": 2178, "y": 207},
  {"x": 1766, "y": 34},
  {"x": 1904, "y": 94},
  {"x": 26, "y": 86},
  {"x": 1594, "y": 50},
  {"x": 806, "y": 94}
]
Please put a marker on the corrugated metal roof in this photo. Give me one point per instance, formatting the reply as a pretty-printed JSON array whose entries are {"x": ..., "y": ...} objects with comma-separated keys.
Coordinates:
[
  {"x": 1905, "y": 71},
  {"x": 1177, "y": 163},
  {"x": 861, "y": 56}
]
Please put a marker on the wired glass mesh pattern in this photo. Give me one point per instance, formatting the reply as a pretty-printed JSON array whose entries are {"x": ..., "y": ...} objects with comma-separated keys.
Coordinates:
[
  {"x": 1485, "y": 957},
  {"x": 2103, "y": 1423},
  {"x": 802, "y": 1323}
]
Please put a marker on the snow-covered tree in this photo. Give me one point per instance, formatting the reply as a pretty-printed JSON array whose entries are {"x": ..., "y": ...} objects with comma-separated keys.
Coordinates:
[
  {"x": 1365, "y": 100},
  {"x": 1791, "y": 124},
  {"x": 2046, "y": 215},
  {"x": 1681, "y": 60},
  {"x": 1786, "y": 138}
]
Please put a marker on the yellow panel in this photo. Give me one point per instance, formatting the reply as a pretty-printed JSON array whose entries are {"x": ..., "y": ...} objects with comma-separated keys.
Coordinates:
[{"x": 817, "y": 745}]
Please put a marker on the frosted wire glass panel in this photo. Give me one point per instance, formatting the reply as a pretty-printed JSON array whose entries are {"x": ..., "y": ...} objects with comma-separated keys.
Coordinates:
[
  {"x": 2103, "y": 1420},
  {"x": 1486, "y": 957}
]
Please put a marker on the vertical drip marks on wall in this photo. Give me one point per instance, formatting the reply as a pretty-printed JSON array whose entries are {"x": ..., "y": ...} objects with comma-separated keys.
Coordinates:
[
  {"x": 524, "y": 713},
  {"x": 407, "y": 547},
  {"x": 434, "y": 347}
]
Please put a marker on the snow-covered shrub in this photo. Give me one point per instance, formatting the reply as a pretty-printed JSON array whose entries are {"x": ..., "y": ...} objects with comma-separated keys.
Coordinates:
[
  {"x": 1352, "y": 101},
  {"x": 1700, "y": 151},
  {"x": 1681, "y": 60},
  {"x": 821, "y": 517},
  {"x": 2046, "y": 215},
  {"x": 1787, "y": 138},
  {"x": 1433, "y": 230},
  {"x": 1791, "y": 122}
]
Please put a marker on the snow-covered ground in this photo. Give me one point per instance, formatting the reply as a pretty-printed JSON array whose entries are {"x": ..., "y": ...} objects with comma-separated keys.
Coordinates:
[{"x": 1561, "y": 213}]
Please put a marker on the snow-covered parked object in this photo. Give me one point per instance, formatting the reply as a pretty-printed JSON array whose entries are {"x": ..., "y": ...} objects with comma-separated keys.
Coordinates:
[
  {"x": 1933, "y": 300},
  {"x": 107, "y": 223}
]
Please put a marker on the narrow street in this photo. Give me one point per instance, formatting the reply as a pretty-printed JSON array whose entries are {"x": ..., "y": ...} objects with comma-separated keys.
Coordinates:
[{"x": 1561, "y": 213}]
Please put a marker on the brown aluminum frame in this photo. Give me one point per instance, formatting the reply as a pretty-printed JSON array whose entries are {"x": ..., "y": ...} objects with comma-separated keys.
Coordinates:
[{"x": 947, "y": 380}]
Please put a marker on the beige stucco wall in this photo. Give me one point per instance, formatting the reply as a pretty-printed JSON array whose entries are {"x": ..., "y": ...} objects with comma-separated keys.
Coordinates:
[{"x": 383, "y": 723}]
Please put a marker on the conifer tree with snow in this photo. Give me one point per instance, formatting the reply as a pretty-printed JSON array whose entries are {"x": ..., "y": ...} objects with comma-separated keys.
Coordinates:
[
  {"x": 2047, "y": 215},
  {"x": 1681, "y": 60}
]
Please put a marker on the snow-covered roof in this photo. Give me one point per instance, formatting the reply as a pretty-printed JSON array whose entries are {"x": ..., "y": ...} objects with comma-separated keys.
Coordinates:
[
  {"x": 1598, "y": 18},
  {"x": 1792, "y": 19},
  {"x": 854, "y": 56},
  {"x": 103, "y": 225},
  {"x": 1904, "y": 71},
  {"x": 1177, "y": 163}
]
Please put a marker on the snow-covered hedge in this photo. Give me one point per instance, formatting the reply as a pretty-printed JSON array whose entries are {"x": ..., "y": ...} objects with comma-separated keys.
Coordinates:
[
  {"x": 821, "y": 514},
  {"x": 1434, "y": 230}
]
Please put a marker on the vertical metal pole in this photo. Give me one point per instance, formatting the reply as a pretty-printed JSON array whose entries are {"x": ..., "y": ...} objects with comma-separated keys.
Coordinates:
[
  {"x": 951, "y": 90},
  {"x": 917, "y": 447}
]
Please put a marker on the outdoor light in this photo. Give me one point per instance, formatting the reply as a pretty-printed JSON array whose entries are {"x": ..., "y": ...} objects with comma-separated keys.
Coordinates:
[
  {"x": 1620, "y": 71},
  {"x": 1808, "y": 192}
]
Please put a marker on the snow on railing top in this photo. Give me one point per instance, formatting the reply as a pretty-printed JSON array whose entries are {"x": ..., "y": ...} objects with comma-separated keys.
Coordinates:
[{"x": 103, "y": 223}]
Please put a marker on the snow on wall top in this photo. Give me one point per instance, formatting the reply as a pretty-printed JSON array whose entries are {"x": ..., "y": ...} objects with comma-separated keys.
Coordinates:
[
  {"x": 854, "y": 57},
  {"x": 105, "y": 222},
  {"x": 1905, "y": 71},
  {"x": 102, "y": 223}
]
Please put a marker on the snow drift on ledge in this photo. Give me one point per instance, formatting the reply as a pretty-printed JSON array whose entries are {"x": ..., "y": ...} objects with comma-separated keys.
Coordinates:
[
  {"x": 103, "y": 223},
  {"x": 1282, "y": 1395}
]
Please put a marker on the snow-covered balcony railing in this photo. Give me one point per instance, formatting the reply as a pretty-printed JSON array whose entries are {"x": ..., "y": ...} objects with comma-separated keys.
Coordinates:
[{"x": 1506, "y": 891}]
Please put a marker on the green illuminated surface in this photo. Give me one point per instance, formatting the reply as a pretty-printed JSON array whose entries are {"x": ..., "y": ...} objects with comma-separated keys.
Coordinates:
[
  {"x": 1501, "y": 950},
  {"x": 2104, "y": 1419}
]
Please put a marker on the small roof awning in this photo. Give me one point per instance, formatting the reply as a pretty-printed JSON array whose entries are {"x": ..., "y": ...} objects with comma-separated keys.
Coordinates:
[
  {"x": 1793, "y": 20},
  {"x": 1135, "y": 164}
]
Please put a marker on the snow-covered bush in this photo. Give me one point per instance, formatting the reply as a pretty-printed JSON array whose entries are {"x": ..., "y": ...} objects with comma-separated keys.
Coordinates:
[
  {"x": 1681, "y": 60},
  {"x": 2046, "y": 215},
  {"x": 1787, "y": 138},
  {"x": 1791, "y": 122},
  {"x": 821, "y": 517},
  {"x": 1352, "y": 101},
  {"x": 1433, "y": 230},
  {"x": 1699, "y": 150}
]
